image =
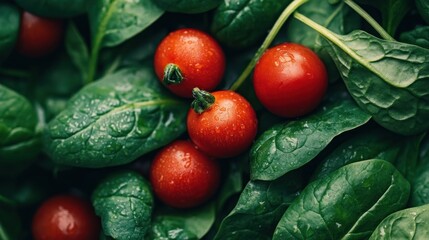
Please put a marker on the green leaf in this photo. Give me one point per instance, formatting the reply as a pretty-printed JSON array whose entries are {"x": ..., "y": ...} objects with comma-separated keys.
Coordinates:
[
  {"x": 10, "y": 22},
  {"x": 77, "y": 49},
  {"x": 339, "y": 18},
  {"x": 387, "y": 79},
  {"x": 288, "y": 146},
  {"x": 188, "y": 6},
  {"x": 410, "y": 223},
  {"x": 418, "y": 36},
  {"x": 10, "y": 223},
  {"x": 420, "y": 186},
  {"x": 19, "y": 138},
  {"x": 347, "y": 204},
  {"x": 183, "y": 224},
  {"x": 114, "y": 21},
  {"x": 241, "y": 23},
  {"x": 374, "y": 143},
  {"x": 54, "y": 8},
  {"x": 392, "y": 12},
  {"x": 115, "y": 120},
  {"x": 260, "y": 207},
  {"x": 423, "y": 8},
  {"x": 124, "y": 203}
]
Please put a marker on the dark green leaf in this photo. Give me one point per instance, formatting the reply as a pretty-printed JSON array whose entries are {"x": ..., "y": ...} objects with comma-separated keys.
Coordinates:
[
  {"x": 392, "y": 12},
  {"x": 420, "y": 186},
  {"x": 374, "y": 143},
  {"x": 10, "y": 223},
  {"x": 115, "y": 120},
  {"x": 423, "y": 8},
  {"x": 188, "y": 6},
  {"x": 54, "y": 8},
  {"x": 387, "y": 79},
  {"x": 124, "y": 203},
  {"x": 418, "y": 36},
  {"x": 286, "y": 147},
  {"x": 410, "y": 223},
  {"x": 183, "y": 224},
  {"x": 259, "y": 208},
  {"x": 339, "y": 18},
  {"x": 19, "y": 136},
  {"x": 77, "y": 50},
  {"x": 114, "y": 21},
  {"x": 241, "y": 23},
  {"x": 347, "y": 204},
  {"x": 9, "y": 22}
]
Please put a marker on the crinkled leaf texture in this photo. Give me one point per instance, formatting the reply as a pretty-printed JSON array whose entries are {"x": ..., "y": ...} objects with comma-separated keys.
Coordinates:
[
  {"x": 347, "y": 204},
  {"x": 124, "y": 203},
  {"x": 115, "y": 120}
]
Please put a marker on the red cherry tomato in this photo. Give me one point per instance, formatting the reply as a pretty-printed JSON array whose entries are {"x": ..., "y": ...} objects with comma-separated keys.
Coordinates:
[
  {"x": 182, "y": 176},
  {"x": 65, "y": 217},
  {"x": 195, "y": 55},
  {"x": 227, "y": 128},
  {"x": 290, "y": 80},
  {"x": 38, "y": 36}
]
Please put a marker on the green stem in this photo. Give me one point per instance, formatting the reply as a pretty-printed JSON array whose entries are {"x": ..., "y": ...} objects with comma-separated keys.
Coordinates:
[
  {"x": 203, "y": 100},
  {"x": 369, "y": 19},
  {"x": 267, "y": 42},
  {"x": 93, "y": 60},
  {"x": 16, "y": 73},
  {"x": 172, "y": 74}
]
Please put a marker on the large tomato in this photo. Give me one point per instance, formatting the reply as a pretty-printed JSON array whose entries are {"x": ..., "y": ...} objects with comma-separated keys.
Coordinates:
[
  {"x": 182, "y": 176},
  {"x": 65, "y": 217},
  {"x": 290, "y": 80},
  {"x": 189, "y": 58},
  {"x": 226, "y": 128}
]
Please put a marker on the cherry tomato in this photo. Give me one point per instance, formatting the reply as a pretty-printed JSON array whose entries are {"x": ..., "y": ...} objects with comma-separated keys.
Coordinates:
[
  {"x": 290, "y": 80},
  {"x": 38, "y": 36},
  {"x": 227, "y": 128},
  {"x": 65, "y": 217},
  {"x": 189, "y": 58},
  {"x": 182, "y": 176}
]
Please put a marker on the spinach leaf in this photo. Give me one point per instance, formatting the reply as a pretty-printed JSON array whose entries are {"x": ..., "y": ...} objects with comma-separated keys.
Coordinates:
[
  {"x": 392, "y": 12},
  {"x": 347, "y": 204},
  {"x": 114, "y": 21},
  {"x": 337, "y": 17},
  {"x": 288, "y": 146},
  {"x": 260, "y": 207},
  {"x": 418, "y": 36},
  {"x": 423, "y": 8},
  {"x": 10, "y": 21},
  {"x": 420, "y": 186},
  {"x": 373, "y": 143},
  {"x": 19, "y": 136},
  {"x": 115, "y": 120},
  {"x": 387, "y": 79},
  {"x": 77, "y": 49},
  {"x": 124, "y": 203},
  {"x": 183, "y": 224},
  {"x": 241, "y": 23},
  {"x": 54, "y": 8},
  {"x": 410, "y": 223},
  {"x": 188, "y": 6}
]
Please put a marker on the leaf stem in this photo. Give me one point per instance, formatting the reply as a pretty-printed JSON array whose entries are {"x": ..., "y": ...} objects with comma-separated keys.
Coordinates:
[
  {"x": 383, "y": 33},
  {"x": 16, "y": 73},
  {"x": 268, "y": 40}
]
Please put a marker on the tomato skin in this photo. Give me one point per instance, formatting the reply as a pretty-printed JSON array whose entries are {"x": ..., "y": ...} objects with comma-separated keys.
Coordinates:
[
  {"x": 38, "y": 36},
  {"x": 182, "y": 176},
  {"x": 65, "y": 217},
  {"x": 198, "y": 56},
  {"x": 227, "y": 128},
  {"x": 290, "y": 80}
]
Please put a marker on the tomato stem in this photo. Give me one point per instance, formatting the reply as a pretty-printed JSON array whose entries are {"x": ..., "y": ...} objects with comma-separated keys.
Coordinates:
[
  {"x": 370, "y": 20},
  {"x": 267, "y": 42},
  {"x": 172, "y": 74},
  {"x": 203, "y": 100}
]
